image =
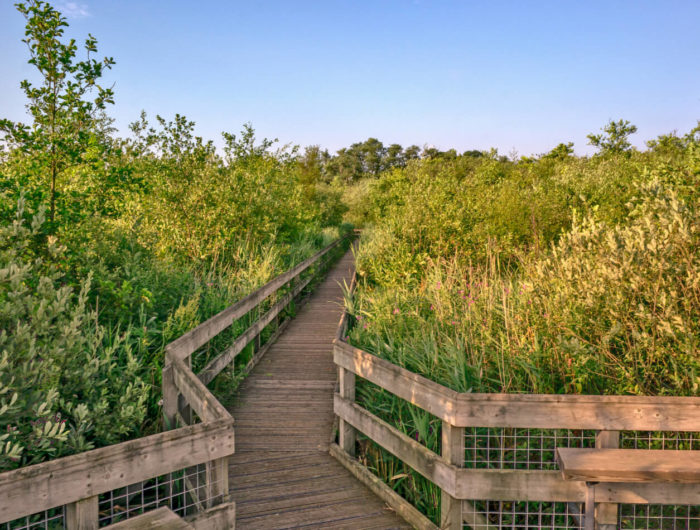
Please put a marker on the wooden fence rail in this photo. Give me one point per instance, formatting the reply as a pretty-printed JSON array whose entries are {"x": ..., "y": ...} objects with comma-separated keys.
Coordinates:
[
  {"x": 195, "y": 449},
  {"x": 81, "y": 478},
  {"x": 460, "y": 486}
]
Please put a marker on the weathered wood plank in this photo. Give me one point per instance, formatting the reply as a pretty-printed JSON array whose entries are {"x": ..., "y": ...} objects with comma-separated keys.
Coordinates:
[
  {"x": 42, "y": 486},
  {"x": 282, "y": 475},
  {"x": 162, "y": 518},
  {"x": 331, "y": 495},
  {"x": 452, "y": 444},
  {"x": 629, "y": 465},
  {"x": 216, "y": 481},
  {"x": 170, "y": 397},
  {"x": 346, "y": 434},
  {"x": 506, "y": 485},
  {"x": 546, "y": 411},
  {"x": 606, "y": 513},
  {"x": 190, "y": 341},
  {"x": 265, "y": 492},
  {"x": 420, "y": 458},
  {"x": 196, "y": 393},
  {"x": 221, "y": 517},
  {"x": 343, "y": 511},
  {"x": 83, "y": 514},
  {"x": 400, "y": 505}
]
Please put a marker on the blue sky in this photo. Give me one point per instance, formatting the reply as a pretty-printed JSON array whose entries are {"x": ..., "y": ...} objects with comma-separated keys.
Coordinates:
[{"x": 518, "y": 76}]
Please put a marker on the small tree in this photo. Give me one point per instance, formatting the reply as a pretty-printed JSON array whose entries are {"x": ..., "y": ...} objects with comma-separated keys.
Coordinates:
[
  {"x": 63, "y": 115},
  {"x": 615, "y": 139},
  {"x": 561, "y": 151}
]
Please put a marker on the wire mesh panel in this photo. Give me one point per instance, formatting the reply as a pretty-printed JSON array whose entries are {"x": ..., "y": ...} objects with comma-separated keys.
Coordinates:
[
  {"x": 489, "y": 515},
  {"x": 659, "y": 517},
  {"x": 185, "y": 492},
  {"x": 47, "y": 520},
  {"x": 510, "y": 448},
  {"x": 660, "y": 440}
]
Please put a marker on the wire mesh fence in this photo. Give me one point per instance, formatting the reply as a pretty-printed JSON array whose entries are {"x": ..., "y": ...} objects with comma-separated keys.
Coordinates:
[
  {"x": 510, "y": 448},
  {"x": 660, "y": 440},
  {"x": 186, "y": 492},
  {"x": 488, "y": 515},
  {"x": 46, "y": 520},
  {"x": 658, "y": 517}
]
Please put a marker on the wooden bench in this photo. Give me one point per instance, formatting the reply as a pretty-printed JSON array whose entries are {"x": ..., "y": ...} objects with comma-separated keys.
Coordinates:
[
  {"x": 162, "y": 518},
  {"x": 625, "y": 465}
]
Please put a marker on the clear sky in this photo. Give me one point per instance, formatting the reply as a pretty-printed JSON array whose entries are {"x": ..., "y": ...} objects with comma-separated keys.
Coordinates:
[{"x": 516, "y": 75}]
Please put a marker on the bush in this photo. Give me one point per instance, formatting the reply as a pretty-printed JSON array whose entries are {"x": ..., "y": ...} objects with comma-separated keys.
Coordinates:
[{"x": 67, "y": 384}]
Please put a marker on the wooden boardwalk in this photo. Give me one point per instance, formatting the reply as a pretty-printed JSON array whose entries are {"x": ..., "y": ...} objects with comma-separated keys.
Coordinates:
[{"x": 282, "y": 475}]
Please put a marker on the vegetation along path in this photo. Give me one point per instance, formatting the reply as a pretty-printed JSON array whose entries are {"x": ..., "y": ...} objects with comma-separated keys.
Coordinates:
[{"x": 282, "y": 475}]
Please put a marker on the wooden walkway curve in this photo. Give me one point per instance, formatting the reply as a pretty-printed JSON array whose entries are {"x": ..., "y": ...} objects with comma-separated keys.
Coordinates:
[{"x": 282, "y": 475}]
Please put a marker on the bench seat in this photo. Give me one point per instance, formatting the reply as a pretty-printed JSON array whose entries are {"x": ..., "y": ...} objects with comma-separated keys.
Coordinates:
[{"x": 629, "y": 465}]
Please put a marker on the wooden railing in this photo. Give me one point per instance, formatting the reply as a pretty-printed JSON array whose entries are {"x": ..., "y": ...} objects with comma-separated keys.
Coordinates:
[
  {"x": 517, "y": 415},
  {"x": 76, "y": 481},
  {"x": 188, "y": 465}
]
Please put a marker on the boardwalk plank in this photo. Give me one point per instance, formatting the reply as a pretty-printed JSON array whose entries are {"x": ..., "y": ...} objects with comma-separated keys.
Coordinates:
[{"x": 282, "y": 475}]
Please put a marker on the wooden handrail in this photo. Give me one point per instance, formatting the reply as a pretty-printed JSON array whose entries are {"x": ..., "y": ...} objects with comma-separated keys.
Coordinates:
[
  {"x": 221, "y": 361},
  {"x": 196, "y": 394},
  {"x": 188, "y": 343},
  {"x": 545, "y": 411},
  {"x": 500, "y": 484},
  {"x": 65, "y": 480}
]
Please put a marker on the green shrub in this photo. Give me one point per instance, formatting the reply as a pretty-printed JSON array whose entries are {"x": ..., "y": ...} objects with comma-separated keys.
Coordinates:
[{"x": 67, "y": 384}]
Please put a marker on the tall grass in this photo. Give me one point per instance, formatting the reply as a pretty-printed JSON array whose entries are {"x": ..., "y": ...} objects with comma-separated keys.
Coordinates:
[{"x": 608, "y": 303}]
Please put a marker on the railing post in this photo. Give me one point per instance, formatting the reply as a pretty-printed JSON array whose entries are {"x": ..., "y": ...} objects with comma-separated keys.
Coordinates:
[
  {"x": 83, "y": 514},
  {"x": 170, "y": 396},
  {"x": 606, "y": 513},
  {"x": 217, "y": 481},
  {"x": 452, "y": 453},
  {"x": 182, "y": 406},
  {"x": 346, "y": 433}
]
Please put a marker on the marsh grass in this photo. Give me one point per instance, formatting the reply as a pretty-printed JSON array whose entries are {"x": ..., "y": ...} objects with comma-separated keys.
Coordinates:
[{"x": 610, "y": 305}]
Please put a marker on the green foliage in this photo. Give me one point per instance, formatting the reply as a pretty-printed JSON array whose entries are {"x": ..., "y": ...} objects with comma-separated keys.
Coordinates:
[
  {"x": 151, "y": 235},
  {"x": 615, "y": 139},
  {"x": 555, "y": 274},
  {"x": 561, "y": 151},
  {"x": 60, "y": 136},
  {"x": 67, "y": 384}
]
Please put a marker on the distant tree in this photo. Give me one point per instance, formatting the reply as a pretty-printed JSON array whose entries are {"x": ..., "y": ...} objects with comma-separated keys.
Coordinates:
[
  {"x": 473, "y": 153},
  {"x": 63, "y": 111},
  {"x": 245, "y": 148},
  {"x": 311, "y": 166},
  {"x": 693, "y": 135},
  {"x": 450, "y": 154},
  {"x": 394, "y": 156},
  {"x": 373, "y": 153},
  {"x": 561, "y": 151},
  {"x": 430, "y": 152},
  {"x": 615, "y": 137},
  {"x": 411, "y": 152},
  {"x": 348, "y": 164}
]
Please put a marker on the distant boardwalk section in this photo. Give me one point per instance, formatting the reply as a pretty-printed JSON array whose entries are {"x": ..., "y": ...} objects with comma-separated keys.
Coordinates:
[{"x": 282, "y": 475}]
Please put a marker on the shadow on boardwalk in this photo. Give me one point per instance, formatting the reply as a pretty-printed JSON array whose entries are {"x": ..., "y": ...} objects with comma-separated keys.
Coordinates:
[{"x": 282, "y": 475}]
